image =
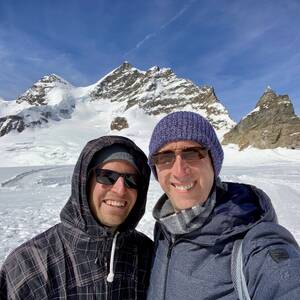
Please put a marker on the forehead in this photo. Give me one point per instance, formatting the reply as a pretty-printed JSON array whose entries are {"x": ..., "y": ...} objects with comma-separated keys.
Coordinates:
[
  {"x": 120, "y": 166},
  {"x": 179, "y": 145}
]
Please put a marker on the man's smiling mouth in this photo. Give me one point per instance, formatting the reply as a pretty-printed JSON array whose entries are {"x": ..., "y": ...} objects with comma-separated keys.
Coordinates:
[
  {"x": 183, "y": 187},
  {"x": 115, "y": 203}
]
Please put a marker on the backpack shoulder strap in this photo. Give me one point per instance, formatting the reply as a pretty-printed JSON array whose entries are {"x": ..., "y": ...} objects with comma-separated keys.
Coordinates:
[{"x": 237, "y": 274}]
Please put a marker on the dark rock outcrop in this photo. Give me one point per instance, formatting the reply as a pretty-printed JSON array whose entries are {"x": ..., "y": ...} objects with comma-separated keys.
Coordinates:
[
  {"x": 9, "y": 123},
  {"x": 273, "y": 123},
  {"x": 119, "y": 123}
]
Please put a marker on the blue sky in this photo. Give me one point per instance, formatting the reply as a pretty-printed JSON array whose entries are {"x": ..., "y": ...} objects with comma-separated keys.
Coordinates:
[{"x": 237, "y": 46}]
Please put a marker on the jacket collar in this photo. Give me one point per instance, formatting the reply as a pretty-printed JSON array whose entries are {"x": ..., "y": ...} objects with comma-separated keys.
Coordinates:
[{"x": 238, "y": 208}]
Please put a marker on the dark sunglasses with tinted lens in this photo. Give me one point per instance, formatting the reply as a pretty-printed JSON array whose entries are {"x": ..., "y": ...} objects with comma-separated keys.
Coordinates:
[
  {"x": 167, "y": 158},
  {"x": 109, "y": 177}
]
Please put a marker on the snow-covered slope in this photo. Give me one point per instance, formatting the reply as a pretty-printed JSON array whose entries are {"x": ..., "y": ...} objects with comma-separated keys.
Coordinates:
[{"x": 62, "y": 142}]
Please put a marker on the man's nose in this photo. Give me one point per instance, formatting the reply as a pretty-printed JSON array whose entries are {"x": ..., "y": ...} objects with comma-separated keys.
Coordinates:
[
  {"x": 180, "y": 167},
  {"x": 119, "y": 186}
]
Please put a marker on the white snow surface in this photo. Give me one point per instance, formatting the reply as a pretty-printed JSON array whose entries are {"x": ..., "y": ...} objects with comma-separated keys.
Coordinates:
[{"x": 12, "y": 107}]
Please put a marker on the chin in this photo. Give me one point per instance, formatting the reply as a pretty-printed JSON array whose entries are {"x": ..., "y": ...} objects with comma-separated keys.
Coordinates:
[{"x": 183, "y": 204}]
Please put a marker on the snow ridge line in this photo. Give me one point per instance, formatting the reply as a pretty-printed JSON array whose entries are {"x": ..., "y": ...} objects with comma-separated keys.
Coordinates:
[{"x": 18, "y": 177}]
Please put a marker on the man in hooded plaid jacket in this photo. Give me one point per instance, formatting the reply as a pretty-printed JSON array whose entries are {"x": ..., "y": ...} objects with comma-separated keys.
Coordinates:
[{"x": 95, "y": 252}]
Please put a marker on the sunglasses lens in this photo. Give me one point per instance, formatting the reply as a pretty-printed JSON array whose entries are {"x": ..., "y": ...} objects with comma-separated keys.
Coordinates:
[
  {"x": 167, "y": 158},
  {"x": 131, "y": 181},
  {"x": 106, "y": 176},
  {"x": 164, "y": 158},
  {"x": 192, "y": 154},
  {"x": 109, "y": 177}
]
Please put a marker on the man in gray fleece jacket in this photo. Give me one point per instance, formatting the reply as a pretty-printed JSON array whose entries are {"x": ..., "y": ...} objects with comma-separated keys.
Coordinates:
[{"x": 199, "y": 218}]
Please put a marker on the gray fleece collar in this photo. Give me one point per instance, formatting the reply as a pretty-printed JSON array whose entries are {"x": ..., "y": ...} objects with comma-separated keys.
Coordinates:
[{"x": 186, "y": 220}]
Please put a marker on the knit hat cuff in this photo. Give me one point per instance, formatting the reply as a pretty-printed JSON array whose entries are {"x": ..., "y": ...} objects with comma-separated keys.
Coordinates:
[{"x": 110, "y": 153}]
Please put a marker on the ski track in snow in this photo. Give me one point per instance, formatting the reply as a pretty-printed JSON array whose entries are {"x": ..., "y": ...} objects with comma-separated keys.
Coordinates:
[{"x": 31, "y": 198}]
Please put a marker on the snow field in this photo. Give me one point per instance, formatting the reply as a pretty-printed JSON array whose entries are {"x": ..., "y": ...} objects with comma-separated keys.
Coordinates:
[{"x": 31, "y": 198}]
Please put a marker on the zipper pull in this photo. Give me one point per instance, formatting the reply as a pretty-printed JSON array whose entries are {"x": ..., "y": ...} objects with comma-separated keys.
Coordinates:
[
  {"x": 171, "y": 245},
  {"x": 170, "y": 250}
]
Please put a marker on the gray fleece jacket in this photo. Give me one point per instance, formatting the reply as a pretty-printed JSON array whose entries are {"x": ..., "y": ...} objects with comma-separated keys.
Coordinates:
[{"x": 196, "y": 265}]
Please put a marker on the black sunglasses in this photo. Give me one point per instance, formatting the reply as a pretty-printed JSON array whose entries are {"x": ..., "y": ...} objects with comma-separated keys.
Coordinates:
[
  {"x": 167, "y": 158},
  {"x": 110, "y": 177}
]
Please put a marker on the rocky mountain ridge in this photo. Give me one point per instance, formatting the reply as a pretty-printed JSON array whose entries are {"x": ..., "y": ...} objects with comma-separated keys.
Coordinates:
[
  {"x": 36, "y": 95},
  {"x": 155, "y": 91},
  {"x": 46, "y": 100}
]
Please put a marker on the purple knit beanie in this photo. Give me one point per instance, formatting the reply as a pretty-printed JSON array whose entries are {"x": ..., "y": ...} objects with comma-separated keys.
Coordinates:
[{"x": 187, "y": 126}]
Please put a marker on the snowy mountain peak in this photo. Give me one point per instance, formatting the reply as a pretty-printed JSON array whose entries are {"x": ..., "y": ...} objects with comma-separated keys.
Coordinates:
[
  {"x": 271, "y": 99},
  {"x": 268, "y": 89},
  {"x": 53, "y": 78},
  {"x": 154, "y": 69},
  {"x": 126, "y": 65},
  {"x": 49, "y": 99},
  {"x": 158, "y": 70},
  {"x": 37, "y": 94},
  {"x": 123, "y": 68},
  {"x": 159, "y": 91}
]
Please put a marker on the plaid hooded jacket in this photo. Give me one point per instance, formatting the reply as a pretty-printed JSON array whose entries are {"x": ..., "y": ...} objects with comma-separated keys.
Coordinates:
[{"x": 71, "y": 260}]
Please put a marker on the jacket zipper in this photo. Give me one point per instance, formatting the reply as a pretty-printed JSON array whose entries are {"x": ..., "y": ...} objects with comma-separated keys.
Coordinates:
[
  {"x": 169, "y": 253},
  {"x": 172, "y": 243}
]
